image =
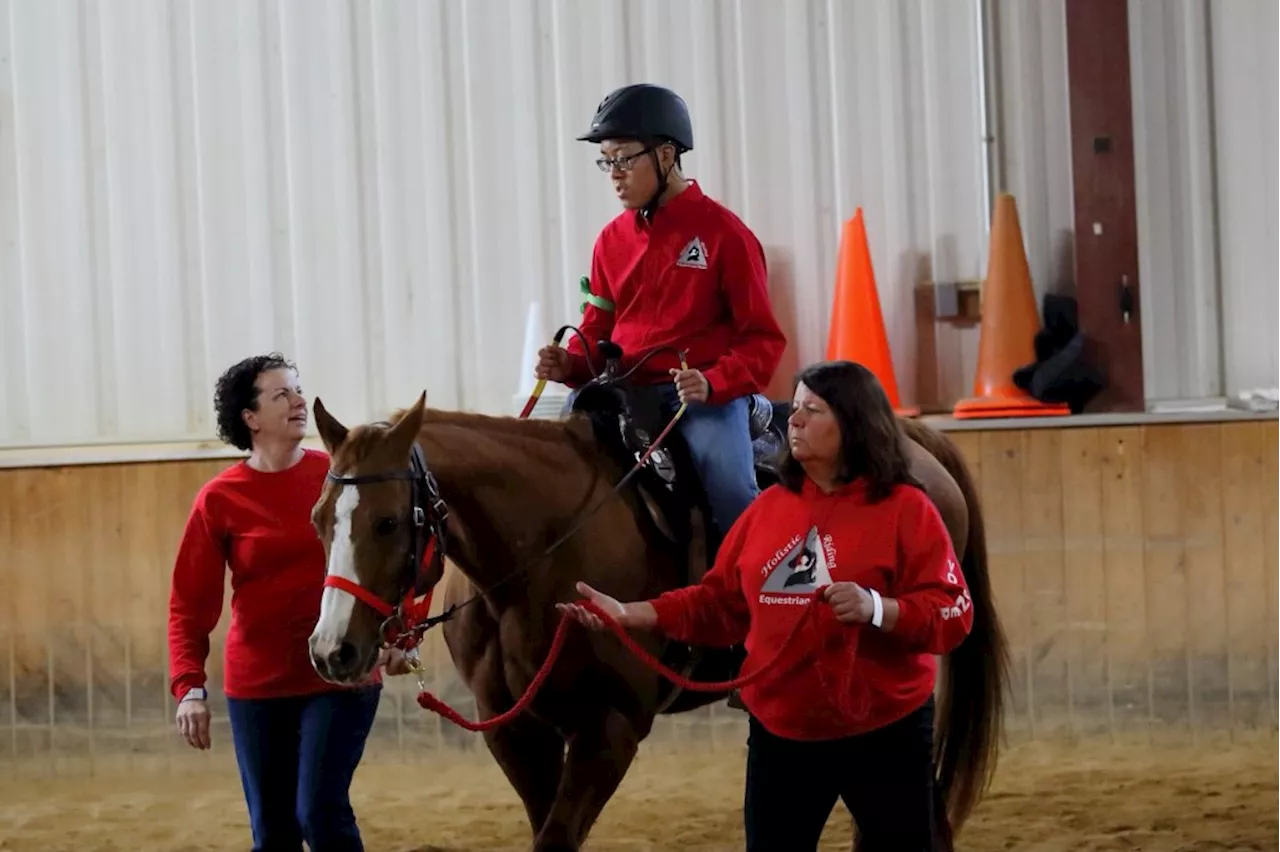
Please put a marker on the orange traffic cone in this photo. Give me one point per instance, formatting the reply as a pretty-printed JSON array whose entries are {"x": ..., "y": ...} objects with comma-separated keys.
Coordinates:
[
  {"x": 857, "y": 326},
  {"x": 1009, "y": 324}
]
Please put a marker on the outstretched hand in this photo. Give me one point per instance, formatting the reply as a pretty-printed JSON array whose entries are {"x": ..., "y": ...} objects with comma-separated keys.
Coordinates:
[{"x": 628, "y": 615}]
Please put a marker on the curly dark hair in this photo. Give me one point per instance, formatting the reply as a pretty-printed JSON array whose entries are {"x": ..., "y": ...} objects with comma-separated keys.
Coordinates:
[
  {"x": 872, "y": 443},
  {"x": 237, "y": 390}
]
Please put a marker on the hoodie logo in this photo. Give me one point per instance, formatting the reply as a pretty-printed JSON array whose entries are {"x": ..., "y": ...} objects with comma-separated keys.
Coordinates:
[
  {"x": 694, "y": 255},
  {"x": 801, "y": 570}
]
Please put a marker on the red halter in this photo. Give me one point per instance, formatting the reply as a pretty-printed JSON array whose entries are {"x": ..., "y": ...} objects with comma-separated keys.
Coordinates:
[{"x": 404, "y": 624}]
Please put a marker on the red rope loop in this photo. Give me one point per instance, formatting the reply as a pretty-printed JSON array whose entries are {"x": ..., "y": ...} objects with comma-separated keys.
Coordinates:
[{"x": 430, "y": 702}]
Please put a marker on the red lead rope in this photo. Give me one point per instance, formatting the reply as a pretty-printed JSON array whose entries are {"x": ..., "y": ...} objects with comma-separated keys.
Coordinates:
[{"x": 430, "y": 702}]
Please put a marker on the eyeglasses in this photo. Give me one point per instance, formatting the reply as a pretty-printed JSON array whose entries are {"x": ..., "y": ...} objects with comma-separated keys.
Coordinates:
[{"x": 624, "y": 163}]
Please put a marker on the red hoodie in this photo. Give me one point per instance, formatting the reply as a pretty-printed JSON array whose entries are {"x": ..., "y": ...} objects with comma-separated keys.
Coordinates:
[
  {"x": 259, "y": 525},
  {"x": 693, "y": 280},
  {"x": 835, "y": 680}
]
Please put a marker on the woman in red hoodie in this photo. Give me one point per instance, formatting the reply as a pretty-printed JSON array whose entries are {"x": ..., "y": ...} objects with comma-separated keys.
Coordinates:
[
  {"x": 847, "y": 711},
  {"x": 297, "y": 738}
]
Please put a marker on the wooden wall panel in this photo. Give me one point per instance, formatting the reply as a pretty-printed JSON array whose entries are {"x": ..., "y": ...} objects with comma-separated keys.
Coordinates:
[
  {"x": 1200, "y": 499},
  {"x": 1086, "y": 636},
  {"x": 1269, "y": 508},
  {"x": 1250, "y": 666},
  {"x": 1135, "y": 569},
  {"x": 1124, "y": 579},
  {"x": 1001, "y": 494},
  {"x": 1110, "y": 552},
  {"x": 1044, "y": 581},
  {"x": 1164, "y": 561}
]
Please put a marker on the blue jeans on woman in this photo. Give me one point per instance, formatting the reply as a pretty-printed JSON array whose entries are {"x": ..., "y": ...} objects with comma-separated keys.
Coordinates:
[{"x": 297, "y": 757}]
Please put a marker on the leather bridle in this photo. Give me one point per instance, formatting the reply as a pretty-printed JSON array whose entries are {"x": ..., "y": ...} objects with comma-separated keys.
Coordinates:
[{"x": 428, "y": 516}]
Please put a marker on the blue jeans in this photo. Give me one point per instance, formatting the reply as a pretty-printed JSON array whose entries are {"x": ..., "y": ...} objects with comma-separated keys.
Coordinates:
[
  {"x": 719, "y": 439},
  {"x": 297, "y": 757}
]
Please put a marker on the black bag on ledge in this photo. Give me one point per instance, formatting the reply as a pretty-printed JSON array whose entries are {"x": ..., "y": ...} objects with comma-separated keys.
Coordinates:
[{"x": 1061, "y": 373}]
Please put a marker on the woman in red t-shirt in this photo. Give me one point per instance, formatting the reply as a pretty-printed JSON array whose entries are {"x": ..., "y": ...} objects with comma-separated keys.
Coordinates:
[
  {"x": 298, "y": 739},
  {"x": 848, "y": 711}
]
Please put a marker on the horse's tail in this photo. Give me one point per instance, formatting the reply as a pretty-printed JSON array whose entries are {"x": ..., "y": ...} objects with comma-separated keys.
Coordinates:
[{"x": 970, "y": 710}]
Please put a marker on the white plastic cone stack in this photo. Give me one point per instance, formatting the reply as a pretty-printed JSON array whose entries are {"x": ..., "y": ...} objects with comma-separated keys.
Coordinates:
[{"x": 533, "y": 339}]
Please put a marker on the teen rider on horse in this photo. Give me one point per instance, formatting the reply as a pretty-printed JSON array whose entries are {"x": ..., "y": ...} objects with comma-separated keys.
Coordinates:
[{"x": 677, "y": 269}]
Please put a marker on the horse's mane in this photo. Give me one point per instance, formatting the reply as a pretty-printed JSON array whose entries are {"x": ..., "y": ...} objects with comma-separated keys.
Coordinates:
[{"x": 574, "y": 431}]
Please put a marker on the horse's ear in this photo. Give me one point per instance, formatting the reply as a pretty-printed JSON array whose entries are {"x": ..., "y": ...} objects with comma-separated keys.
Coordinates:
[
  {"x": 405, "y": 432},
  {"x": 332, "y": 433}
]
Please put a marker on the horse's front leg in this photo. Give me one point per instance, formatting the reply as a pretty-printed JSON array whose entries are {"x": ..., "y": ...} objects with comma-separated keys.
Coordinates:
[
  {"x": 531, "y": 755},
  {"x": 530, "y": 752},
  {"x": 599, "y": 754}
]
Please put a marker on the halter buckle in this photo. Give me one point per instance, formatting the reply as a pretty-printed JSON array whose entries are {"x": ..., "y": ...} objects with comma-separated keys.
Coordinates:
[{"x": 395, "y": 621}]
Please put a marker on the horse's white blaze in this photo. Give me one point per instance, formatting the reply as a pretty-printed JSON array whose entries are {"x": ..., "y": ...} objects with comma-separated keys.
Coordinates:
[{"x": 336, "y": 605}]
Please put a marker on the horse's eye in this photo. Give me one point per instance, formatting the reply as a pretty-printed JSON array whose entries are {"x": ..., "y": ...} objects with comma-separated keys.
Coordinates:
[{"x": 386, "y": 526}]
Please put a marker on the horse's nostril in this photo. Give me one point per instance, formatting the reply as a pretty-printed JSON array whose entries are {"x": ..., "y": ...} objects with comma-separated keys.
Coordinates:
[{"x": 346, "y": 654}]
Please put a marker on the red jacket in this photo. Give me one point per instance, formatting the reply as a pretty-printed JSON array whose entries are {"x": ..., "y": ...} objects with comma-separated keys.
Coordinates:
[
  {"x": 695, "y": 280},
  {"x": 835, "y": 680},
  {"x": 259, "y": 525}
]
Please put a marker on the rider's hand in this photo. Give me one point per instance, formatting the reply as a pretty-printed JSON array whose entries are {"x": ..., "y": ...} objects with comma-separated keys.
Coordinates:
[
  {"x": 193, "y": 722},
  {"x": 639, "y": 614},
  {"x": 553, "y": 364},
  {"x": 692, "y": 385}
]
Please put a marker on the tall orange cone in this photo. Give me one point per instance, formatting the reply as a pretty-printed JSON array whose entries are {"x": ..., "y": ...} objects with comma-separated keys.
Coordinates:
[
  {"x": 857, "y": 326},
  {"x": 1009, "y": 325}
]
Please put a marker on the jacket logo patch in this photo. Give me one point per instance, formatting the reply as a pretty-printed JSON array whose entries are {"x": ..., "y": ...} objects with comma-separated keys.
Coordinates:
[
  {"x": 799, "y": 570},
  {"x": 694, "y": 255}
]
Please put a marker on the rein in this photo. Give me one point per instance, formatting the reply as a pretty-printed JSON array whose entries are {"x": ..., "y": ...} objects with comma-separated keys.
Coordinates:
[
  {"x": 405, "y": 624},
  {"x": 427, "y": 701}
]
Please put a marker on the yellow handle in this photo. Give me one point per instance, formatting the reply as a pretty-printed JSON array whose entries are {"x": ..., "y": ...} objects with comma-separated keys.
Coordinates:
[{"x": 537, "y": 390}]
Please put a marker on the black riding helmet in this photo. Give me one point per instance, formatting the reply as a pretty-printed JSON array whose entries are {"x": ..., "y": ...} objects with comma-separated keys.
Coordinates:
[{"x": 649, "y": 114}]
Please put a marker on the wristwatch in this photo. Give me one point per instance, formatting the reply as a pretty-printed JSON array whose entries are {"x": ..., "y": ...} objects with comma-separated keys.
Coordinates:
[{"x": 196, "y": 693}]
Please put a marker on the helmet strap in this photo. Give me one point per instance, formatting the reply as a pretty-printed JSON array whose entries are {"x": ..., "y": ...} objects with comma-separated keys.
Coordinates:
[{"x": 651, "y": 208}]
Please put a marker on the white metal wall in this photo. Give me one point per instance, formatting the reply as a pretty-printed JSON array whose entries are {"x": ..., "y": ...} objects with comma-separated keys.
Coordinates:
[
  {"x": 1032, "y": 128},
  {"x": 1246, "y": 97},
  {"x": 1206, "y": 107},
  {"x": 380, "y": 190},
  {"x": 1173, "y": 160}
]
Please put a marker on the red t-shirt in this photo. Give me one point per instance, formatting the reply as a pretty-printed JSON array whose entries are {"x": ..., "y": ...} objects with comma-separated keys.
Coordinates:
[
  {"x": 693, "y": 280},
  {"x": 259, "y": 525},
  {"x": 784, "y": 548}
]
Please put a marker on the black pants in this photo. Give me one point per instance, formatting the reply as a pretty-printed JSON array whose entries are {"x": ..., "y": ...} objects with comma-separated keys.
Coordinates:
[
  {"x": 884, "y": 777},
  {"x": 297, "y": 757}
]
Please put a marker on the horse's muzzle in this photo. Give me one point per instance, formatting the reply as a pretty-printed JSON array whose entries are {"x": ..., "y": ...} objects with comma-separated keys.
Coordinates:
[{"x": 338, "y": 662}]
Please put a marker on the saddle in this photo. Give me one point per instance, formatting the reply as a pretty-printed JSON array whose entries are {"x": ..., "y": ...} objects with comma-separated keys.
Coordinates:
[{"x": 628, "y": 418}]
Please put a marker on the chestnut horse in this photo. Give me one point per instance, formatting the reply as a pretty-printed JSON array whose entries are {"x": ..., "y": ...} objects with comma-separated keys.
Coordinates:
[{"x": 499, "y": 492}]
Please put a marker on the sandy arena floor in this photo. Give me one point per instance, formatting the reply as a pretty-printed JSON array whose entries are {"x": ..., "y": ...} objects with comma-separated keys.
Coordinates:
[{"x": 1085, "y": 798}]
